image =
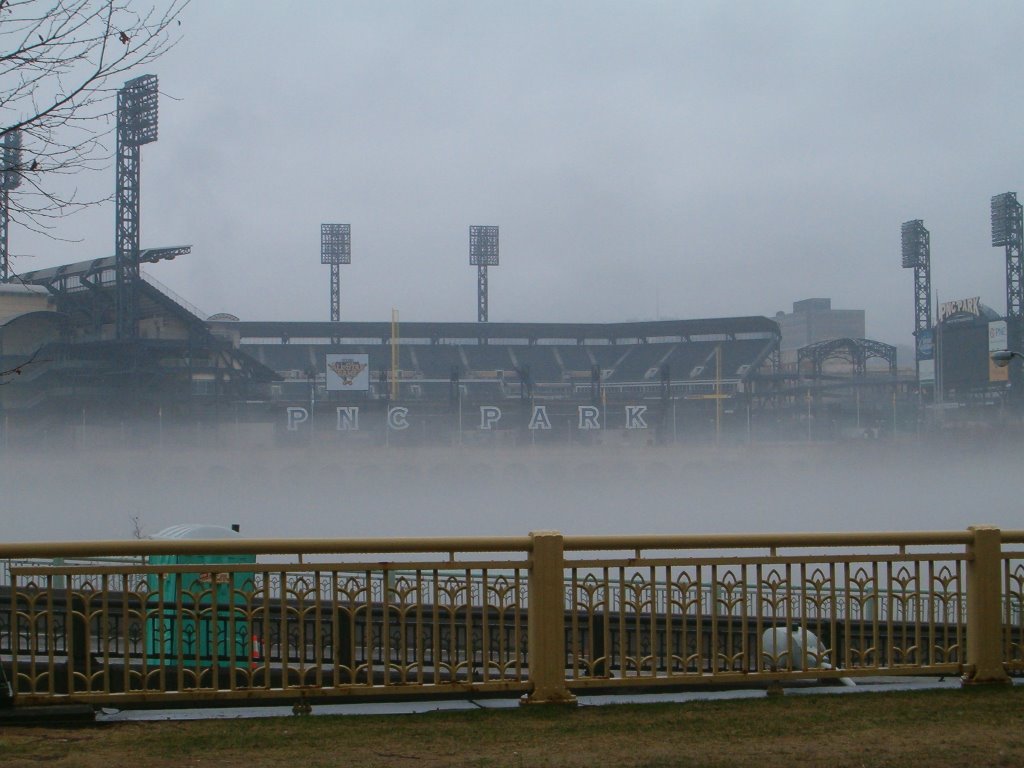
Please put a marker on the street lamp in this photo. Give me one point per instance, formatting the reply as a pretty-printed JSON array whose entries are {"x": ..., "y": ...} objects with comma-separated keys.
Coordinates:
[{"x": 1003, "y": 357}]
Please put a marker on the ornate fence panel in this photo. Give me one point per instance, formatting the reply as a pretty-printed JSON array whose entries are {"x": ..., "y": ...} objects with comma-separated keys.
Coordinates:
[
  {"x": 134, "y": 632},
  {"x": 544, "y": 615},
  {"x": 689, "y": 620},
  {"x": 1013, "y": 601}
]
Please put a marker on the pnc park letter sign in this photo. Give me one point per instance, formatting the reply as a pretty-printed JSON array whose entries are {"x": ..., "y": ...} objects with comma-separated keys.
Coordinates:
[{"x": 588, "y": 417}]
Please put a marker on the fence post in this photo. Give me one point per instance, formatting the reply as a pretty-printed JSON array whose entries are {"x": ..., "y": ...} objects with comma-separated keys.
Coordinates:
[
  {"x": 546, "y": 622},
  {"x": 984, "y": 607}
]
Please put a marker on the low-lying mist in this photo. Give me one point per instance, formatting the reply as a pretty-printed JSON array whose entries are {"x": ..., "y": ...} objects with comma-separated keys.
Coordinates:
[{"x": 422, "y": 491}]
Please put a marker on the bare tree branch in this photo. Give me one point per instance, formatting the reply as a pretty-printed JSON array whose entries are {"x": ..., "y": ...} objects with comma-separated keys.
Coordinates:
[
  {"x": 61, "y": 63},
  {"x": 6, "y": 377}
]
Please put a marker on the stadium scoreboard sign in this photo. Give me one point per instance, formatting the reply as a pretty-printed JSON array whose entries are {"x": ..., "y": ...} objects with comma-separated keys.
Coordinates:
[{"x": 588, "y": 417}]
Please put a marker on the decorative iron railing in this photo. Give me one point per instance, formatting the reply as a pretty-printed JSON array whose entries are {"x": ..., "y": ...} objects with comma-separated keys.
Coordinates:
[{"x": 544, "y": 615}]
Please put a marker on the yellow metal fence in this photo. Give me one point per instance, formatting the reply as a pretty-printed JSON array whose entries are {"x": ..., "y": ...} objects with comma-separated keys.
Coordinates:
[{"x": 544, "y": 616}]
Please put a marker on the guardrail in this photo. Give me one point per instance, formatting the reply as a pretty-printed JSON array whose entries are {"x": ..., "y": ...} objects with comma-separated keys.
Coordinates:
[{"x": 544, "y": 615}]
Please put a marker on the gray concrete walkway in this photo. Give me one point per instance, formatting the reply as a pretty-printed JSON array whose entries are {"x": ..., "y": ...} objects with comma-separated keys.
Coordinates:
[{"x": 864, "y": 685}]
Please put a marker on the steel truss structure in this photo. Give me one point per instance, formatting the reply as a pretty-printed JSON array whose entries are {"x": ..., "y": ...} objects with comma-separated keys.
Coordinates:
[
  {"x": 10, "y": 178},
  {"x": 916, "y": 247},
  {"x": 136, "y": 125},
  {"x": 854, "y": 351},
  {"x": 1008, "y": 232}
]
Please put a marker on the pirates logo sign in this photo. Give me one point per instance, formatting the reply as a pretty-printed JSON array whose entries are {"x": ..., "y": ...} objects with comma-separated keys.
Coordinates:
[{"x": 348, "y": 372}]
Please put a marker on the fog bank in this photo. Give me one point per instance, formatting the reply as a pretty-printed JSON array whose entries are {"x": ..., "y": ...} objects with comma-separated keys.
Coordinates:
[{"x": 302, "y": 492}]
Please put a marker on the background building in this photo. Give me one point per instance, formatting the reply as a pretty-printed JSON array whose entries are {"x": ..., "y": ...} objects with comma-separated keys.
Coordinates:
[{"x": 814, "y": 320}]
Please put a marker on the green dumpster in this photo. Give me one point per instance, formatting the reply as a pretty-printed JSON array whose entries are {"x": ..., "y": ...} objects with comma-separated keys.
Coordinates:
[{"x": 198, "y": 616}]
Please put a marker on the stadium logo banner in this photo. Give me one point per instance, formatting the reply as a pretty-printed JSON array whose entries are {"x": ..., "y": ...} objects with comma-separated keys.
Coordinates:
[
  {"x": 348, "y": 373},
  {"x": 925, "y": 344},
  {"x": 997, "y": 341}
]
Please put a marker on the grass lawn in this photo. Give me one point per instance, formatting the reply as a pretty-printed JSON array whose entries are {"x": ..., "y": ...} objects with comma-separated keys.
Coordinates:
[{"x": 981, "y": 726}]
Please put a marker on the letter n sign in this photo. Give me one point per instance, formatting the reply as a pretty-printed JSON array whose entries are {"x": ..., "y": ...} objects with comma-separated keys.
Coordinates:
[{"x": 348, "y": 418}]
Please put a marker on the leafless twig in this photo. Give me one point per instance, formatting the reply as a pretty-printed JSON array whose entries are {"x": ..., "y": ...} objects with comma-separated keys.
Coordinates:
[
  {"x": 61, "y": 62},
  {"x": 7, "y": 376}
]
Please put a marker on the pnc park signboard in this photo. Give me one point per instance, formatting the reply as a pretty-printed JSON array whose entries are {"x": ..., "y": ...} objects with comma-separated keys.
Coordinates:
[
  {"x": 348, "y": 373},
  {"x": 587, "y": 417},
  {"x": 970, "y": 306}
]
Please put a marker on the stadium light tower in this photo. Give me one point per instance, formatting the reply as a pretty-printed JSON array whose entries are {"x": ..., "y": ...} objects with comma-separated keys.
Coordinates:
[
  {"x": 136, "y": 125},
  {"x": 10, "y": 178},
  {"x": 483, "y": 253},
  {"x": 335, "y": 249},
  {"x": 1007, "y": 230},
  {"x": 916, "y": 247}
]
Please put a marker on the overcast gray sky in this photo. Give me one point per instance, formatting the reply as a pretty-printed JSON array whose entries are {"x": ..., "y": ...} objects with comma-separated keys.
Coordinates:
[{"x": 643, "y": 159}]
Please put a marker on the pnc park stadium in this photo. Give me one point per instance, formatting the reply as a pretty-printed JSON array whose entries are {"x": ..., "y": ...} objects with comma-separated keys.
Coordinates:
[
  {"x": 175, "y": 372},
  {"x": 78, "y": 370},
  {"x": 100, "y": 350}
]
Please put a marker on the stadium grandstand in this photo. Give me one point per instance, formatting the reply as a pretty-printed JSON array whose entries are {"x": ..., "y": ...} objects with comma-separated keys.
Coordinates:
[
  {"x": 697, "y": 370},
  {"x": 65, "y": 363},
  {"x": 513, "y": 360},
  {"x": 59, "y": 347},
  {"x": 58, "y": 336}
]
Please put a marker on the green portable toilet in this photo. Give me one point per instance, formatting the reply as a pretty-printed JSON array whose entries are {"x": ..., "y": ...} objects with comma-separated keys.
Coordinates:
[{"x": 186, "y": 611}]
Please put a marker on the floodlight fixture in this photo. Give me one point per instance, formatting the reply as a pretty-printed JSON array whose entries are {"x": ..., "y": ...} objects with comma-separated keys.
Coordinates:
[
  {"x": 10, "y": 178},
  {"x": 1002, "y": 357},
  {"x": 915, "y": 243},
  {"x": 137, "y": 108},
  {"x": 483, "y": 246},
  {"x": 335, "y": 244},
  {"x": 1005, "y": 215}
]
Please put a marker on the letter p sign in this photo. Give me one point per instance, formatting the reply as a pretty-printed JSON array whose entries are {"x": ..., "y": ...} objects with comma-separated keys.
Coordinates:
[
  {"x": 296, "y": 416},
  {"x": 489, "y": 416}
]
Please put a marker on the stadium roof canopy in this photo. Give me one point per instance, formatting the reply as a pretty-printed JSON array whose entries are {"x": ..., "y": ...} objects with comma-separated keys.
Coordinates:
[
  {"x": 52, "y": 276},
  {"x": 729, "y": 327}
]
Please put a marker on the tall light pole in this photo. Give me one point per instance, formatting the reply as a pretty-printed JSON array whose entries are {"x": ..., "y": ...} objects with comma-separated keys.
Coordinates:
[
  {"x": 483, "y": 253},
  {"x": 10, "y": 178},
  {"x": 335, "y": 249},
  {"x": 915, "y": 243},
  {"x": 136, "y": 125},
  {"x": 1008, "y": 232}
]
